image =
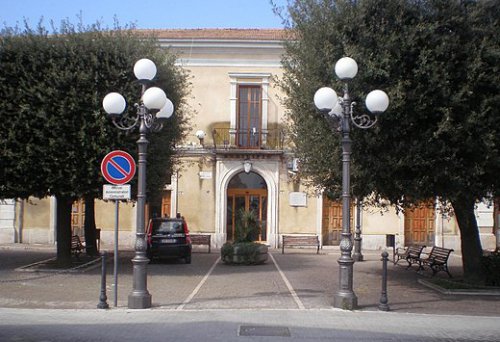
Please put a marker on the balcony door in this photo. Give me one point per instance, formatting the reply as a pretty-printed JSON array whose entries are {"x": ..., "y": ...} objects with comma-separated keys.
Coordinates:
[
  {"x": 247, "y": 191},
  {"x": 248, "y": 134}
]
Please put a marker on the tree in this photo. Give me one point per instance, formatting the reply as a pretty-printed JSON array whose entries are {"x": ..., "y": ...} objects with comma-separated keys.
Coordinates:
[
  {"x": 439, "y": 62},
  {"x": 51, "y": 90}
]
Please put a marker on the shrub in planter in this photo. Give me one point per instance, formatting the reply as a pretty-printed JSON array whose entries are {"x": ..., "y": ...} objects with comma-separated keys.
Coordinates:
[
  {"x": 247, "y": 227},
  {"x": 244, "y": 251}
]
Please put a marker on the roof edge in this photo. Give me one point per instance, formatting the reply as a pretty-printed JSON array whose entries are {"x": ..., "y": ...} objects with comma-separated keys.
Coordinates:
[{"x": 218, "y": 34}]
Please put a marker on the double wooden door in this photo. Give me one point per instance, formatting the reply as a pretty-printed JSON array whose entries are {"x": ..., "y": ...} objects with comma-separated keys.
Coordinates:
[
  {"x": 166, "y": 203},
  {"x": 249, "y": 200},
  {"x": 78, "y": 217},
  {"x": 331, "y": 225},
  {"x": 420, "y": 226}
]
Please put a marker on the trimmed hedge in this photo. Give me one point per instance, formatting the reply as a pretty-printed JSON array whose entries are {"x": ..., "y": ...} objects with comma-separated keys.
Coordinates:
[{"x": 491, "y": 268}]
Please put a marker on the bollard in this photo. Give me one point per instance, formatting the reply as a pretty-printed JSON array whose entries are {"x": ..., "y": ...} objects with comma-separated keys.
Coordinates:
[
  {"x": 383, "y": 306},
  {"x": 103, "y": 298}
]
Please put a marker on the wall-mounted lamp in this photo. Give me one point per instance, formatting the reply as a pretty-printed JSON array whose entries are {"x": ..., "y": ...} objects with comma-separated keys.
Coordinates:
[{"x": 201, "y": 136}]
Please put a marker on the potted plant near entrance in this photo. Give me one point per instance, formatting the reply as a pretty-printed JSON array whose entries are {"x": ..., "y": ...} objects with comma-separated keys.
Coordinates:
[{"x": 244, "y": 250}]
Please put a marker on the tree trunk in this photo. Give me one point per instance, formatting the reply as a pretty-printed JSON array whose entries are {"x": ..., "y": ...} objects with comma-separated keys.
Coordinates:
[
  {"x": 63, "y": 228},
  {"x": 470, "y": 242},
  {"x": 89, "y": 225}
]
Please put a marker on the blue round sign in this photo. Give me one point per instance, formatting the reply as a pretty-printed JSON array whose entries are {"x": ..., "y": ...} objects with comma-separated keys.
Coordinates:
[{"x": 118, "y": 167}]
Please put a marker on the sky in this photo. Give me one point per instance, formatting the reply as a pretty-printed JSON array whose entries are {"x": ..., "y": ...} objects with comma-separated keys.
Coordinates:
[{"x": 145, "y": 14}]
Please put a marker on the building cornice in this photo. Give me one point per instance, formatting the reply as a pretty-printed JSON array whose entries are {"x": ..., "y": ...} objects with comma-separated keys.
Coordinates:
[
  {"x": 219, "y": 34},
  {"x": 224, "y": 47}
]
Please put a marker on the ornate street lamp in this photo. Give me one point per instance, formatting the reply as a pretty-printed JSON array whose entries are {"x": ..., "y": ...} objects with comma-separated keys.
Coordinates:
[
  {"x": 153, "y": 108},
  {"x": 339, "y": 111}
]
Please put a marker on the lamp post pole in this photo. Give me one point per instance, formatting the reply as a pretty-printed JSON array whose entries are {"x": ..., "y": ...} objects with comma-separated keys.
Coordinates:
[
  {"x": 358, "y": 256},
  {"x": 345, "y": 297},
  {"x": 150, "y": 112},
  {"x": 140, "y": 298},
  {"x": 340, "y": 111}
]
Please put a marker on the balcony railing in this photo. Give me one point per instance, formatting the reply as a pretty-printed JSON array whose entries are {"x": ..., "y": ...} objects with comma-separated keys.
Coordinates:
[{"x": 252, "y": 138}]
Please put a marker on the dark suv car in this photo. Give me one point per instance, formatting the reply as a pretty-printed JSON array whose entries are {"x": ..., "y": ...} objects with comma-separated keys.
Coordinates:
[{"x": 168, "y": 237}]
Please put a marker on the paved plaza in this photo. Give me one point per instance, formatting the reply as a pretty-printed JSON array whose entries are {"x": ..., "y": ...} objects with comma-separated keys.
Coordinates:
[{"x": 289, "y": 297}]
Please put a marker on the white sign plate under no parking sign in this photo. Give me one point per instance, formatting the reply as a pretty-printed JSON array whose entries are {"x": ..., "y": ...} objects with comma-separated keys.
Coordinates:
[{"x": 116, "y": 192}]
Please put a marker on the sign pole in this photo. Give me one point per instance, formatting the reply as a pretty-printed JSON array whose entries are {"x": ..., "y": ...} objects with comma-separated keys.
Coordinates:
[
  {"x": 118, "y": 168},
  {"x": 117, "y": 215}
]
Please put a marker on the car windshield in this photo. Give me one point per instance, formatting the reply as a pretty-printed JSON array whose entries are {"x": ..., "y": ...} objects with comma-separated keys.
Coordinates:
[{"x": 167, "y": 227}]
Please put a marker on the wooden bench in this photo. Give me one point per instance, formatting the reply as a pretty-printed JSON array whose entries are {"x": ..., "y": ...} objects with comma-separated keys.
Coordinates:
[
  {"x": 437, "y": 260},
  {"x": 410, "y": 254},
  {"x": 76, "y": 245},
  {"x": 300, "y": 241},
  {"x": 201, "y": 239}
]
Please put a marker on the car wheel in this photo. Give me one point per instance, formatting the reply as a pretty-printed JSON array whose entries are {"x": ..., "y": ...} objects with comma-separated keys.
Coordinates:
[{"x": 188, "y": 259}]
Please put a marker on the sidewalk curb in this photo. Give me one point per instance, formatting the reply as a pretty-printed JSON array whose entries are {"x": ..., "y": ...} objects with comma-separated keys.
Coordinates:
[
  {"x": 28, "y": 247},
  {"x": 79, "y": 268}
]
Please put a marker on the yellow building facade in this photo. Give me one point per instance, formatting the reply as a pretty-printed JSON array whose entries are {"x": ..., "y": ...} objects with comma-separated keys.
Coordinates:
[{"x": 237, "y": 155}]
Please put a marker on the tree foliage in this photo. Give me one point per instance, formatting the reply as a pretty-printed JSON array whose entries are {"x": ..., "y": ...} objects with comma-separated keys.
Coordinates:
[
  {"x": 439, "y": 62},
  {"x": 54, "y": 130}
]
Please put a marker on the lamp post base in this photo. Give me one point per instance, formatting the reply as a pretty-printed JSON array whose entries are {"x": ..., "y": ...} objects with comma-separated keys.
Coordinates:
[
  {"x": 357, "y": 257},
  {"x": 345, "y": 300},
  {"x": 139, "y": 300}
]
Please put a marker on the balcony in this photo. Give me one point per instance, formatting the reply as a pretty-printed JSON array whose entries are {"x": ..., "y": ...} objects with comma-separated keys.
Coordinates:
[{"x": 248, "y": 139}]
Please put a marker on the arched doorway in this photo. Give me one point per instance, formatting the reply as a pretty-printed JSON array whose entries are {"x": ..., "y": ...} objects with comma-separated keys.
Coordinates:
[{"x": 247, "y": 191}]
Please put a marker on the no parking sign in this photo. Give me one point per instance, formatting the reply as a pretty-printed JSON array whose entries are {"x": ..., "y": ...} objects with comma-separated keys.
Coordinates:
[{"x": 118, "y": 167}]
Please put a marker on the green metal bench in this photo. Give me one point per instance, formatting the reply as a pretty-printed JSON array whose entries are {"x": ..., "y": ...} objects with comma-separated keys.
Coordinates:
[
  {"x": 410, "y": 254},
  {"x": 437, "y": 260}
]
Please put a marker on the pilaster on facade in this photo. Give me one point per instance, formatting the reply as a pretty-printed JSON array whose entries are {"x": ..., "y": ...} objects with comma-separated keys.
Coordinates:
[{"x": 8, "y": 214}]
